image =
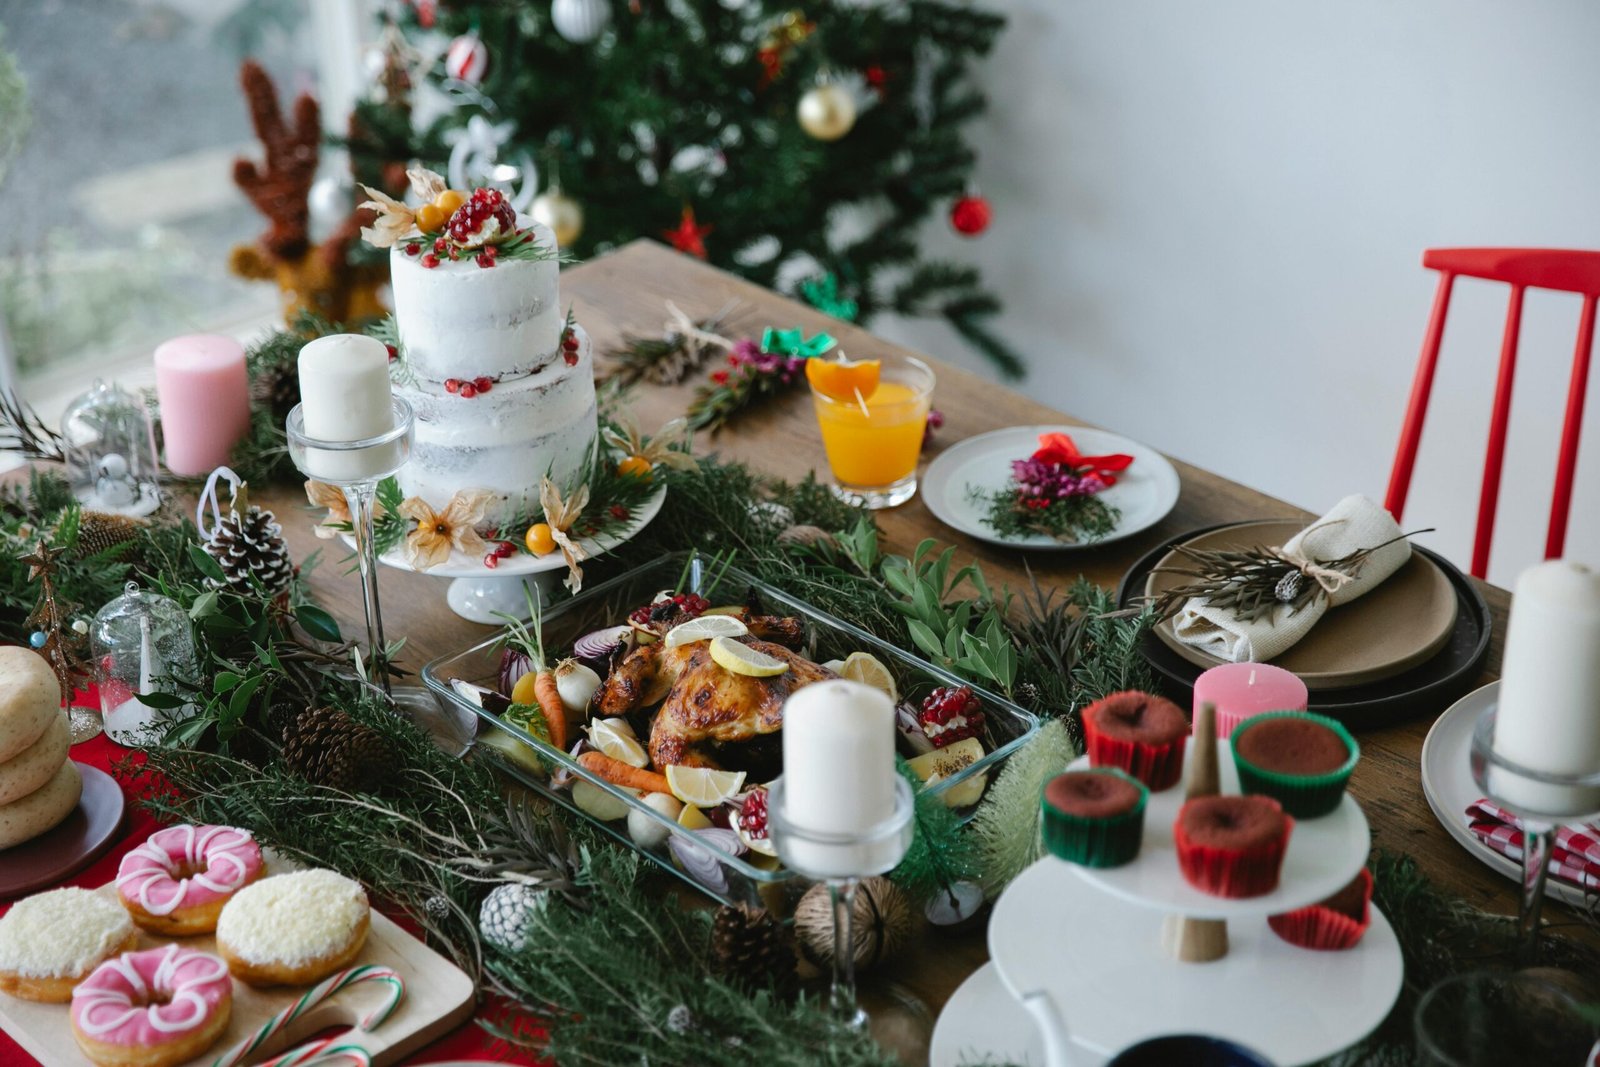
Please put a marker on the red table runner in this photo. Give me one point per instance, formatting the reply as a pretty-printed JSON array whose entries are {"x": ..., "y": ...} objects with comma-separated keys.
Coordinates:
[{"x": 467, "y": 1042}]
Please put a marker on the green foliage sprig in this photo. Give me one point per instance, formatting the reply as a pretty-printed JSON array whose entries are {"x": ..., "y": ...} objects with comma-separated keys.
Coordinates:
[
  {"x": 968, "y": 637},
  {"x": 1005, "y": 829},
  {"x": 940, "y": 855},
  {"x": 1070, "y": 520}
]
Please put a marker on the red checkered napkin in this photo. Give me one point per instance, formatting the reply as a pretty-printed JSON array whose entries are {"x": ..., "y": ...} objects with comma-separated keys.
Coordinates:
[{"x": 1575, "y": 858}]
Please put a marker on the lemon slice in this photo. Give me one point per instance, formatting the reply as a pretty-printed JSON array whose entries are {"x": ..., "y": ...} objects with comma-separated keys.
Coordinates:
[
  {"x": 868, "y": 669},
  {"x": 705, "y": 628},
  {"x": 704, "y": 787},
  {"x": 692, "y": 818},
  {"x": 614, "y": 737},
  {"x": 730, "y": 655}
]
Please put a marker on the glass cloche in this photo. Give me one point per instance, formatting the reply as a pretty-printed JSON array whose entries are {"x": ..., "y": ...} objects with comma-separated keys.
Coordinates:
[
  {"x": 141, "y": 643},
  {"x": 111, "y": 452}
]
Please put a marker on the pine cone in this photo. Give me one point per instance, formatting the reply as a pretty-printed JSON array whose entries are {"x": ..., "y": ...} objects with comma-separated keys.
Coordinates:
[
  {"x": 276, "y": 388},
  {"x": 101, "y": 531},
  {"x": 327, "y": 747},
  {"x": 750, "y": 948},
  {"x": 250, "y": 545},
  {"x": 1029, "y": 695}
]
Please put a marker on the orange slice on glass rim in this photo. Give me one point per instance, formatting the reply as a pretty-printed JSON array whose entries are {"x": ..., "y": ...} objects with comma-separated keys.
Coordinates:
[{"x": 848, "y": 381}]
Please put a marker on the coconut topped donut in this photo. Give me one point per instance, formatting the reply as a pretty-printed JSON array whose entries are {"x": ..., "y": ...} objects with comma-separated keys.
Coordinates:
[
  {"x": 50, "y": 941},
  {"x": 175, "y": 878},
  {"x": 291, "y": 926}
]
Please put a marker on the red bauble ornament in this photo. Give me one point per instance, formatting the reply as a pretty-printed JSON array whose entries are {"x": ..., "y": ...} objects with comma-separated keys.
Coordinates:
[
  {"x": 970, "y": 215},
  {"x": 689, "y": 236},
  {"x": 467, "y": 59}
]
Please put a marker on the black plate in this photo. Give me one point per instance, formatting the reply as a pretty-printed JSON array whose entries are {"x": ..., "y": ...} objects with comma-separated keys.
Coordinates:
[{"x": 1427, "y": 688}]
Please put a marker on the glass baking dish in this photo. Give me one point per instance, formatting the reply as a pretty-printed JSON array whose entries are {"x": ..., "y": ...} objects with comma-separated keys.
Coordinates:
[{"x": 729, "y": 877}]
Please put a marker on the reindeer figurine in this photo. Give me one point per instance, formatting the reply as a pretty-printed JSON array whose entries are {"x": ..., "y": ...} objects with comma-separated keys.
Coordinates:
[{"x": 316, "y": 278}]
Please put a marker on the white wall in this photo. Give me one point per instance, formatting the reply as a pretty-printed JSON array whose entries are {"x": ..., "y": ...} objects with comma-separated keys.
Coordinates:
[{"x": 1209, "y": 218}]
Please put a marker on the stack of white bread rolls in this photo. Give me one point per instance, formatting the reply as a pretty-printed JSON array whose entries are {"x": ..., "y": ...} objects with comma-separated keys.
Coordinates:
[{"x": 39, "y": 786}]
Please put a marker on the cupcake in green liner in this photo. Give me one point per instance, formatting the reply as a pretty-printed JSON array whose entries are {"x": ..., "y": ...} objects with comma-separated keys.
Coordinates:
[
  {"x": 1094, "y": 817},
  {"x": 1301, "y": 760}
]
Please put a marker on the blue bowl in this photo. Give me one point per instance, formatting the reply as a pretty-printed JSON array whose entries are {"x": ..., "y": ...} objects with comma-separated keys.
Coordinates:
[{"x": 1188, "y": 1050}]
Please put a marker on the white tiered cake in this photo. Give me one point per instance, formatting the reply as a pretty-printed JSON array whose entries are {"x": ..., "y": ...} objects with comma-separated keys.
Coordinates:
[{"x": 464, "y": 326}]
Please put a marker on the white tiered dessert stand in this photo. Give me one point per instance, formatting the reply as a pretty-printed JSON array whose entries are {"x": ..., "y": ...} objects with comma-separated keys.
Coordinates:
[
  {"x": 487, "y": 594},
  {"x": 1081, "y": 951}
]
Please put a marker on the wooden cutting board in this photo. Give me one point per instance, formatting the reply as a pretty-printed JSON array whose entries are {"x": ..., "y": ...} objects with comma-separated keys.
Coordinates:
[{"x": 438, "y": 997}]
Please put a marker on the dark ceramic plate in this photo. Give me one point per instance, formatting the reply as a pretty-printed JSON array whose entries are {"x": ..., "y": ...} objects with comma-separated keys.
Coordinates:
[
  {"x": 83, "y": 837},
  {"x": 1427, "y": 688}
]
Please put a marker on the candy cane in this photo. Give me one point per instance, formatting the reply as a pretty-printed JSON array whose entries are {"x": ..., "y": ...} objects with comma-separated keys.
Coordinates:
[
  {"x": 310, "y": 999},
  {"x": 320, "y": 1052}
]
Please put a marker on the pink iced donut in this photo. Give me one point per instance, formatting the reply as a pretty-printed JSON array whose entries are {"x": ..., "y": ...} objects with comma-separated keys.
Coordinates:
[
  {"x": 153, "y": 1008},
  {"x": 178, "y": 880}
]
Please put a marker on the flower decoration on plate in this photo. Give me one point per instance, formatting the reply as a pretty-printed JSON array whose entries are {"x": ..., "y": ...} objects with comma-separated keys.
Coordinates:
[
  {"x": 559, "y": 517},
  {"x": 640, "y": 454},
  {"x": 438, "y": 532},
  {"x": 1054, "y": 492},
  {"x": 450, "y": 224}
]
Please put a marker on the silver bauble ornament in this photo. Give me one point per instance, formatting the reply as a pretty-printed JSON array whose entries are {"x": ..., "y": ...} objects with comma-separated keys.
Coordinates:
[
  {"x": 330, "y": 201},
  {"x": 505, "y": 915},
  {"x": 561, "y": 213},
  {"x": 827, "y": 112},
  {"x": 580, "y": 21}
]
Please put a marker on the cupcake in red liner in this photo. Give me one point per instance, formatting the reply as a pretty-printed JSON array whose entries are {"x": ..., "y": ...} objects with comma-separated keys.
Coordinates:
[
  {"x": 1138, "y": 733},
  {"x": 1332, "y": 924},
  {"x": 1232, "y": 846}
]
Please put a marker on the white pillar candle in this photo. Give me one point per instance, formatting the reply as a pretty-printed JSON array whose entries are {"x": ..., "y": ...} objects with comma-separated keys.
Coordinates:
[
  {"x": 1549, "y": 706},
  {"x": 838, "y": 772},
  {"x": 345, "y": 395}
]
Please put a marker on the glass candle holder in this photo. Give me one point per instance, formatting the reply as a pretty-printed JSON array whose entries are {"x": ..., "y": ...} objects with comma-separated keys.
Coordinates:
[
  {"x": 142, "y": 643},
  {"x": 111, "y": 452},
  {"x": 1541, "y": 801},
  {"x": 841, "y": 860},
  {"x": 357, "y": 467},
  {"x": 1494, "y": 1019}
]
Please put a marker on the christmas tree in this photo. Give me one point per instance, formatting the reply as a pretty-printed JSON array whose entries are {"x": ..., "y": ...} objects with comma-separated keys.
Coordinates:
[{"x": 800, "y": 147}]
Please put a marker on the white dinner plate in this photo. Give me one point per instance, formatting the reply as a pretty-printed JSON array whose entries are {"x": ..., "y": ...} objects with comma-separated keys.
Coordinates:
[
  {"x": 1448, "y": 785},
  {"x": 983, "y": 1023},
  {"x": 1144, "y": 493}
]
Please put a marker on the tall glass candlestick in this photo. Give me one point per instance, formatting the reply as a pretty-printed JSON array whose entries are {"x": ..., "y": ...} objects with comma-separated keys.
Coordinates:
[{"x": 357, "y": 467}]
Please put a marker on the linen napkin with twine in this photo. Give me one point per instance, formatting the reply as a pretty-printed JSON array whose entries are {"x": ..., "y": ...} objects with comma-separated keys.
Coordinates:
[{"x": 1354, "y": 524}]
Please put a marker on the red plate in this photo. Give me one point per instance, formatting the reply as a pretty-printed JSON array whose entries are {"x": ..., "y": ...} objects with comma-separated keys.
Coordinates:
[{"x": 83, "y": 837}]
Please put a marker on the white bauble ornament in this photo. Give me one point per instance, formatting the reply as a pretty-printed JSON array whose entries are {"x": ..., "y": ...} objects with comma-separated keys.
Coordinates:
[
  {"x": 330, "y": 201},
  {"x": 504, "y": 916},
  {"x": 467, "y": 59},
  {"x": 827, "y": 112},
  {"x": 580, "y": 21},
  {"x": 561, "y": 213}
]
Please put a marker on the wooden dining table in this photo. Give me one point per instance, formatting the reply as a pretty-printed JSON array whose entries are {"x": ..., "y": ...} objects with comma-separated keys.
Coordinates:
[{"x": 626, "y": 292}]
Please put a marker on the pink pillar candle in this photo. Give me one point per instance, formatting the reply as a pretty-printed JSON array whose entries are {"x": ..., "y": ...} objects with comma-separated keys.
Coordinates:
[
  {"x": 1240, "y": 690},
  {"x": 204, "y": 393}
]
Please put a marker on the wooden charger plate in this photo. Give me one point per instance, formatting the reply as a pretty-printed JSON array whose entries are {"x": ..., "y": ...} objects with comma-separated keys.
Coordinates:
[
  {"x": 80, "y": 839},
  {"x": 1401, "y": 623}
]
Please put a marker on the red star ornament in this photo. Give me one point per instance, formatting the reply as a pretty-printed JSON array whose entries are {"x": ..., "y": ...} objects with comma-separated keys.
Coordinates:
[{"x": 689, "y": 236}]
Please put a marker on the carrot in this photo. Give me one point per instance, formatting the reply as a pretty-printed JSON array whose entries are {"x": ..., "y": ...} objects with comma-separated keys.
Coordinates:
[
  {"x": 555, "y": 712},
  {"x": 618, "y": 773}
]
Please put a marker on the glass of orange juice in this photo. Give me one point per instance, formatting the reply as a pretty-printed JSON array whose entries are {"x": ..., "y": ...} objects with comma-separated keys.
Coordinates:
[{"x": 873, "y": 414}]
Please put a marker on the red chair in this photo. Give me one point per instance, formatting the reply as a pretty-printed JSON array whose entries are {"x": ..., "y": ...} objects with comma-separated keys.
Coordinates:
[{"x": 1521, "y": 268}]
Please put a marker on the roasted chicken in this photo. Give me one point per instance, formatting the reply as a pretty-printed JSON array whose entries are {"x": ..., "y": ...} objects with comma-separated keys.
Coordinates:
[{"x": 705, "y": 708}]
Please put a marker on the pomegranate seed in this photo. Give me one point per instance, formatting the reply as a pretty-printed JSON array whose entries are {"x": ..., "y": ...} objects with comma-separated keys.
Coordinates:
[
  {"x": 430, "y": 261},
  {"x": 469, "y": 390},
  {"x": 485, "y": 260},
  {"x": 491, "y": 561},
  {"x": 413, "y": 248},
  {"x": 440, "y": 244},
  {"x": 571, "y": 358},
  {"x": 483, "y": 384},
  {"x": 394, "y": 353},
  {"x": 619, "y": 513},
  {"x": 452, "y": 384}
]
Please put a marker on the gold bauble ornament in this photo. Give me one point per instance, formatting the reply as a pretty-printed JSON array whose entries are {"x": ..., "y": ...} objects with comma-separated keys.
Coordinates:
[
  {"x": 883, "y": 922},
  {"x": 827, "y": 112},
  {"x": 561, "y": 213}
]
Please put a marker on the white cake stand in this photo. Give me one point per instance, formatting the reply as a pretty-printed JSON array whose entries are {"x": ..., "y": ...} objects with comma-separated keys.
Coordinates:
[
  {"x": 1088, "y": 943},
  {"x": 484, "y": 595}
]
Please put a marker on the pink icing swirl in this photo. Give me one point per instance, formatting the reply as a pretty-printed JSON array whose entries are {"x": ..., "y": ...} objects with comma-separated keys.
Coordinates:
[
  {"x": 151, "y": 997},
  {"x": 223, "y": 858}
]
